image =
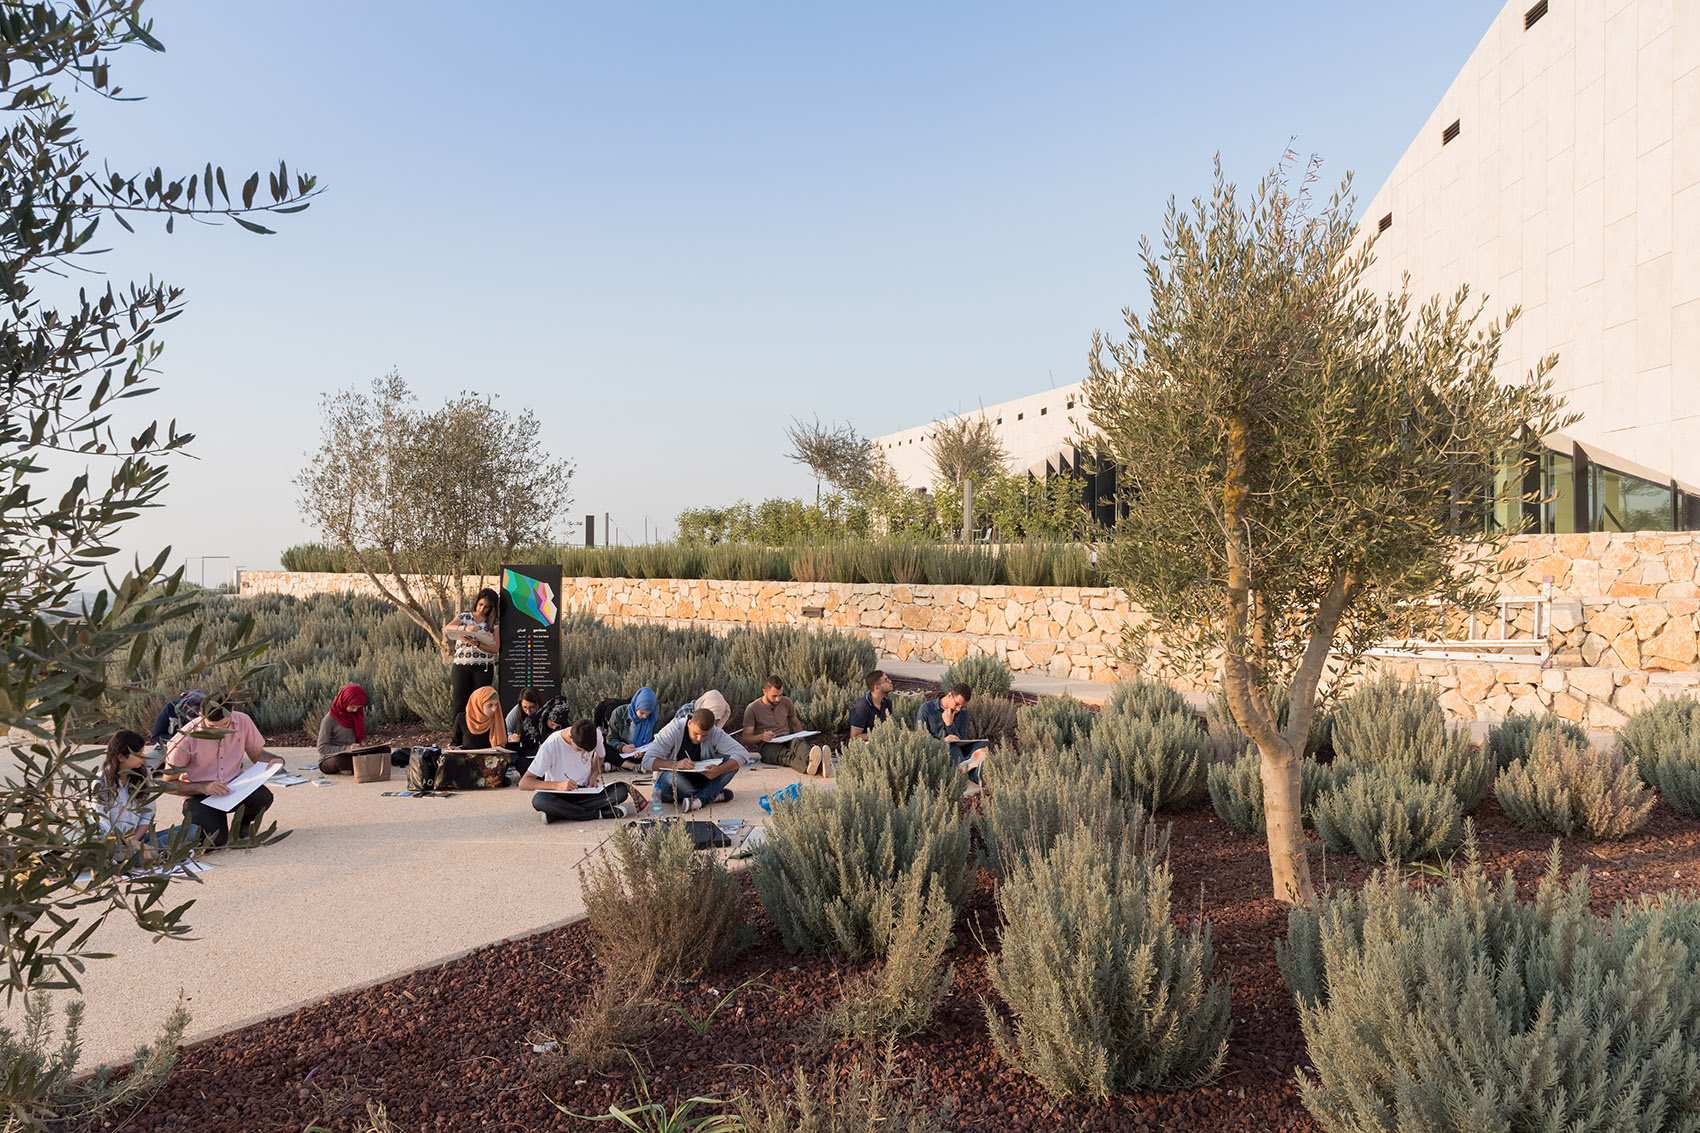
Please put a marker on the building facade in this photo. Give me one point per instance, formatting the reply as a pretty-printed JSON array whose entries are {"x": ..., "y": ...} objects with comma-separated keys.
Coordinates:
[{"x": 1038, "y": 432}]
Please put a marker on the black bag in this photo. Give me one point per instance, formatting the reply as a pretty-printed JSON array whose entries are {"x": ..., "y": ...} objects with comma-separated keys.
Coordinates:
[
  {"x": 423, "y": 765},
  {"x": 605, "y": 710},
  {"x": 704, "y": 835}
]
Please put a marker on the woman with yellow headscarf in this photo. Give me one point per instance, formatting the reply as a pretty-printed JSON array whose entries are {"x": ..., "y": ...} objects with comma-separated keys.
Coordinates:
[{"x": 485, "y": 725}]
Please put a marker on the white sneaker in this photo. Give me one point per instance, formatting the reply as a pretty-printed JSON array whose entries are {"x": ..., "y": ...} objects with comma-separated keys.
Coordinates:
[
  {"x": 688, "y": 804},
  {"x": 817, "y": 756},
  {"x": 626, "y": 809}
]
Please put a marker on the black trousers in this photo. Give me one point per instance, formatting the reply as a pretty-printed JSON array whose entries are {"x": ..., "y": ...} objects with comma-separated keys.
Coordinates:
[
  {"x": 581, "y": 808},
  {"x": 214, "y": 824},
  {"x": 464, "y": 680}
]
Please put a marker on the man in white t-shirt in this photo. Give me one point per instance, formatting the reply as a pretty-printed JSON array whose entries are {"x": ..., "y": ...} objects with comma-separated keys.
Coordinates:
[{"x": 570, "y": 760}]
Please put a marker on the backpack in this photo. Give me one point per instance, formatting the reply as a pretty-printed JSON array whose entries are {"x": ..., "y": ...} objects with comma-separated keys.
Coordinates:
[
  {"x": 703, "y": 835},
  {"x": 605, "y": 710}
]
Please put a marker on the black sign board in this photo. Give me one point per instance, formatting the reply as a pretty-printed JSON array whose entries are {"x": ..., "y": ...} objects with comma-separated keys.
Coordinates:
[{"x": 530, "y": 656}]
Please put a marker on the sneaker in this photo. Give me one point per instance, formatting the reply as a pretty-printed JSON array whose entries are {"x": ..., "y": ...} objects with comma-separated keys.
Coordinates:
[
  {"x": 626, "y": 809},
  {"x": 688, "y": 804},
  {"x": 817, "y": 756},
  {"x": 725, "y": 796},
  {"x": 546, "y": 817}
]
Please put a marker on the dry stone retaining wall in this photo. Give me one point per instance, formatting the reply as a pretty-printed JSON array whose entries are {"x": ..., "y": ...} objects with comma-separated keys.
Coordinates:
[{"x": 1623, "y": 628}]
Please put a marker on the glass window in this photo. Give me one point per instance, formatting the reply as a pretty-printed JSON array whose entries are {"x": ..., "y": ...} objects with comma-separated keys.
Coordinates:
[
  {"x": 1505, "y": 495},
  {"x": 1558, "y": 494},
  {"x": 1691, "y": 512},
  {"x": 1628, "y": 503}
]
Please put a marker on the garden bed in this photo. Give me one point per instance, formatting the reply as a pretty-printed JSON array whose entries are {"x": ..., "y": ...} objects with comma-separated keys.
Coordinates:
[{"x": 447, "y": 1048}]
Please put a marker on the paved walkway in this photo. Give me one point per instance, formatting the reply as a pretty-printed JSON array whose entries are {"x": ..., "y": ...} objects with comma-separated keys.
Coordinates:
[{"x": 364, "y": 888}]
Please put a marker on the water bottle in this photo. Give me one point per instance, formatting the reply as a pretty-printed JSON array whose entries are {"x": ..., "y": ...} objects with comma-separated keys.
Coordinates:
[{"x": 654, "y": 805}]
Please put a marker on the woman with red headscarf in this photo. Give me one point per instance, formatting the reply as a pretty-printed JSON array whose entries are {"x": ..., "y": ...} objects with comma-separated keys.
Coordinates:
[{"x": 343, "y": 727}]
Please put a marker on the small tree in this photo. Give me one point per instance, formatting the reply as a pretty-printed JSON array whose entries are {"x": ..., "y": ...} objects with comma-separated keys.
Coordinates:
[
  {"x": 1305, "y": 460},
  {"x": 419, "y": 501},
  {"x": 73, "y": 476},
  {"x": 835, "y": 453},
  {"x": 966, "y": 448}
]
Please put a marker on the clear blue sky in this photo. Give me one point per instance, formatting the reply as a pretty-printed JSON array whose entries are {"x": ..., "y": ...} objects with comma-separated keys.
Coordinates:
[{"x": 670, "y": 228}]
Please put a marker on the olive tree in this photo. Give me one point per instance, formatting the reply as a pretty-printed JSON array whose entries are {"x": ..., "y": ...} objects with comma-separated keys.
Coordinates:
[
  {"x": 1305, "y": 461},
  {"x": 966, "y": 448},
  {"x": 835, "y": 453},
  {"x": 77, "y": 631},
  {"x": 422, "y": 500}
]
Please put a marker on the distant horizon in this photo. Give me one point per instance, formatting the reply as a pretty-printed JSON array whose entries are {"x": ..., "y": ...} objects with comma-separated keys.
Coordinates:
[{"x": 684, "y": 221}]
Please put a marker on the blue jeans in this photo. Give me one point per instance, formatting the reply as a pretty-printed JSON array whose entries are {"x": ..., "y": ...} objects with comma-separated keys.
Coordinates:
[{"x": 670, "y": 786}]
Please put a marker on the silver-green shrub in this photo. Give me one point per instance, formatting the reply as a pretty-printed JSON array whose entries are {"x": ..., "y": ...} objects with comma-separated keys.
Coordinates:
[
  {"x": 1386, "y": 723},
  {"x": 1149, "y": 700},
  {"x": 1031, "y": 800},
  {"x": 902, "y": 760},
  {"x": 1566, "y": 787},
  {"x": 982, "y": 672},
  {"x": 905, "y": 706},
  {"x": 836, "y": 864},
  {"x": 1663, "y": 742},
  {"x": 1158, "y": 762},
  {"x": 1107, "y": 997},
  {"x": 1508, "y": 741},
  {"x": 900, "y": 998},
  {"x": 1386, "y": 814},
  {"x": 824, "y": 706},
  {"x": 44, "y": 1087},
  {"x": 1236, "y": 790},
  {"x": 991, "y": 718},
  {"x": 1455, "y": 1007},
  {"x": 1054, "y": 723}
]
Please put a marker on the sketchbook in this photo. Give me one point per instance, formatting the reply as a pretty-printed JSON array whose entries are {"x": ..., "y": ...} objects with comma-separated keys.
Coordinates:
[
  {"x": 242, "y": 786},
  {"x": 785, "y": 739}
]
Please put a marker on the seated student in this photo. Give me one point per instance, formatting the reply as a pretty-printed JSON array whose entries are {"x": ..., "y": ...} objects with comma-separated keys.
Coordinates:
[
  {"x": 526, "y": 728},
  {"x": 632, "y": 725},
  {"x": 873, "y": 708},
  {"x": 174, "y": 715},
  {"x": 126, "y": 806},
  {"x": 343, "y": 727},
  {"x": 677, "y": 749},
  {"x": 484, "y": 726},
  {"x": 569, "y": 759},
  {"x": 206, "y": 765},
  {"x": 711, "y": 700},
  {"x": 939, "y": 717},
  {"x": 772, "y": 715}
]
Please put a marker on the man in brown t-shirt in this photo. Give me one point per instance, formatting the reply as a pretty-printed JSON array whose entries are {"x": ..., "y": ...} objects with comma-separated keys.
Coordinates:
[{"x": 774, "y": 715}]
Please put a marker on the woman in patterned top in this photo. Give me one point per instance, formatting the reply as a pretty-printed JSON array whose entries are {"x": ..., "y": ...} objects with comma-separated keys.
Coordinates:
[{"x": 474, "y": 638}]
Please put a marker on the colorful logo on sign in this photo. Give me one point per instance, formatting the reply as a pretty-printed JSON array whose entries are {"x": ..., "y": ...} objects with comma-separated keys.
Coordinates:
[{"x": 534, "y": 597}]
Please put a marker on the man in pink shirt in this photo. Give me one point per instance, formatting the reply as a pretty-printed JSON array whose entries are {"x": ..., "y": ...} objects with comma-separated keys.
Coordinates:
[{"x": 208, "y": 764}]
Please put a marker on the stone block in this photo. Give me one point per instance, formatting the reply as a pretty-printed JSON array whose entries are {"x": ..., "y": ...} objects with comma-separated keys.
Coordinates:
[
  {"x": 1594, "y": 647},
  {"x": 1594, "y": 683},
  {"x": 1456, "y": 706},
  {"x": 1633, "y": 590},
  {"x": 1630, "y": 700},
  {"x": 1603, "y": 715},
  {"x": 1553, "y": 680},
  {"x": 1648, "y": 617}
]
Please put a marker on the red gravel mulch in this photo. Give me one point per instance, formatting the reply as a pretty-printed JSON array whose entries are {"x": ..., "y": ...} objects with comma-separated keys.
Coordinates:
[{"x": 446, "y": 1048}]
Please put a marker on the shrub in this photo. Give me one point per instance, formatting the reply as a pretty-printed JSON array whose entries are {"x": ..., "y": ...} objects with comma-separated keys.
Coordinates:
[
  {"x": 983, "y": 673},
  {"x": 900, "y": 998},
  {"x": 1386, "y": 814},
  {"x": 1666, "y": 732},
  {"x": 1158, "y": 763},
  {"x": 905, "y": 706},
  {"x": 865, "y": 1103},
  {"x": 991, "y": 718},
  {"x": 1236, "y": 790},
  {"x": 1508, "y": 741},
  {"x": 836, "y": 864},
  {"x": 1454, "y": 1006},
  {"x": 659, "y": 899},
  {"x": 42, "y": 1088},
  {"x": 824, "y": 706},
  {"x": 1676, "y": 776},
  {"x": 1107, "y": 996},
  {"x": 1565, "y": 787},
  {"x": 905, "y": 761},
  {"x": 1385, "y": 723},
  {"x": 1054, "y": 723},
  {"x": 606, "y": 1029},
  {"x": 1031, "y": 802},
  {"x": 1147, "y": 700}
]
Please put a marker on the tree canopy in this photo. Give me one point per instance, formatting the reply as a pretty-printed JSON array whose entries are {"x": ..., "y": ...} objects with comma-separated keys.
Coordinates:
[{"x": 1305, "y": 462}]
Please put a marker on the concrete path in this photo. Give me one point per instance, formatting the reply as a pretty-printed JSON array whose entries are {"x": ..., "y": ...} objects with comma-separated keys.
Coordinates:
[{"x": 364, "y": 888}]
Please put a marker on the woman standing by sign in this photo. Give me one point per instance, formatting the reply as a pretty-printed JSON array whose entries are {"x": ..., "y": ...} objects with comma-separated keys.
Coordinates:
[{"x": 474, "y": 641}]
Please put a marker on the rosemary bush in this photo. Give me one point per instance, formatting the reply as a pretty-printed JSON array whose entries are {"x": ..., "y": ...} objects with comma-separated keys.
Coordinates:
[
  {"x": 42, "y": 1080},
  {"x": 1508, "y": 741},
  {"x": 991, "y": 718},
  {"x": 900, "y": 998},
  {"x": 982, "y": 672},
  {"x": 1158, "y": 762},
  {"x": 1386, "y": 814},
  {"x": 1029, "y": 802},
  {"x": 904, "y": 761},
  {"x": 1566, "y": 787},
  {"x": 1107, "y": 997},
  {"x": 1147, "y": 700},
  {"x": 1054, "y": 723},
  {"x": 1386, "y": 723},
  {"x": 1663, "y": 742},
  {"x": 1236, "y": 790},
  {"x": 1456, "y": 1007},
  {"x": 837, "y": 864}
]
